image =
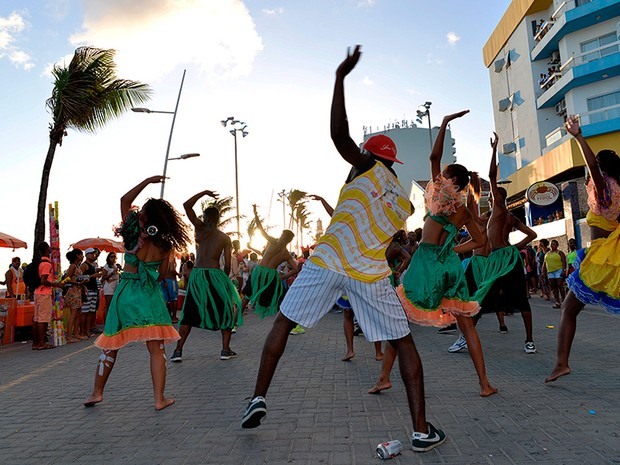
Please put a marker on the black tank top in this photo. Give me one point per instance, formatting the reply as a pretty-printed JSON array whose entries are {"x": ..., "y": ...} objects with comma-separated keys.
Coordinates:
[{"x": 91, "y": 284}]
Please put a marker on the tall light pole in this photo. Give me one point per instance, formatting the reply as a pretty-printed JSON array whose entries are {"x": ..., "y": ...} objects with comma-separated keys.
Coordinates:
[
  {"x": 236, "y": 126},
  {"x": 174, "y": 117},
  {"x": 426, "y": 112}
]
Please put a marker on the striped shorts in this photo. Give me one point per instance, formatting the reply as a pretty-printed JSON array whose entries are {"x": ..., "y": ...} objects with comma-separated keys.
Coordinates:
[
  {"x": 91, "y": 303},
  {"x": 377, "y": 306}
]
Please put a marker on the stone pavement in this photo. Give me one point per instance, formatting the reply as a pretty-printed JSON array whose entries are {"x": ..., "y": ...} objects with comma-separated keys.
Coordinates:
[{"x": 318, "y": 408}]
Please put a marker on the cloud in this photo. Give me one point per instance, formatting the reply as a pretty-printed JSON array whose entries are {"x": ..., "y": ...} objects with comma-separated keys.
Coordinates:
[
  {"x": 273, "y": 11},
  {"x": 10, "y": 27},
  {"x": 368, "y": 3},
  {"x": 367, "y": 81},
  {"x": 452, "y": 38},
  {"x": 153, "y": 37}
]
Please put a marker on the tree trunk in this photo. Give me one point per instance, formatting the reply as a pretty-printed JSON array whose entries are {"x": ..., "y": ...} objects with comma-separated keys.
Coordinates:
[{"x": 39, "y": 228}]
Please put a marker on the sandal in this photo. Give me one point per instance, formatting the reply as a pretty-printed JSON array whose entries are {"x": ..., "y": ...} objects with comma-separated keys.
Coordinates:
[{"x": 557, "y": 305}]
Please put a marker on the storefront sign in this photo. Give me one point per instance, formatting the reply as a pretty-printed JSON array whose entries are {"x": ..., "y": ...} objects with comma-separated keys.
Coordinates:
[{"x": 543, "y": 193}]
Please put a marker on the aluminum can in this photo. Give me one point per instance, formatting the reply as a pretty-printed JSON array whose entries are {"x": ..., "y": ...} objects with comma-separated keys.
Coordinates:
[{"x": 389, "y": 450}]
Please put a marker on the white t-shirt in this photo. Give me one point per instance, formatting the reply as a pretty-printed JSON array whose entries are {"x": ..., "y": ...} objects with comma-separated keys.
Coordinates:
[{"x": 109, "y": 286}]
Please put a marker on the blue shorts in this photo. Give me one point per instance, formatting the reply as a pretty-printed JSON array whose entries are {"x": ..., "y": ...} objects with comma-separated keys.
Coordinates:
[
  {"x": 557, "y": 274},
  {"x": 170, "y": 289}
]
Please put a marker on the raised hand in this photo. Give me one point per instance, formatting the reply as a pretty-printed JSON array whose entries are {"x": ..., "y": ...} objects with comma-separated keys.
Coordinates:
[
  {"x": 448, "y": 118},
  {"x": 572, "y": 125},
  {"x": 155, "y": 179},
  {"x": 494, "y": 141},
  {"x": 315, "y": 197},
  {"x": 350, "y": 61},
  {"x": 213, "y": 194}
]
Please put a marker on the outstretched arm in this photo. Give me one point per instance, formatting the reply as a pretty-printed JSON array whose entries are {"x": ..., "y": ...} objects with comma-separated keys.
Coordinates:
[
  {"x": 437, "y": 151},
  {"x": 574, "y": 129},
  {"x": 129, "y": 197},
  {"x": 328, "y": 208},
  {"x": 339, "y": 124},
  {"x": 493, "y": 173},
  {"x": 189, "y": 206},
  {"x": 259, "y": 225}
]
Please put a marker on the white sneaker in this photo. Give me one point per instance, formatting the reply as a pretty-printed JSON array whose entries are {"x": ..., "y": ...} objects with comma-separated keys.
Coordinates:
[
  {"x": 458, "y": 345},
  {"x": 529, "y": 348}
]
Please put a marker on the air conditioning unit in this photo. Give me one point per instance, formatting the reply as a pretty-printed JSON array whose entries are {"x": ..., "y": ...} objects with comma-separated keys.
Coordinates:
[
  {"x": 560, "y": 108},
  {"x": 555, "y": 57}
]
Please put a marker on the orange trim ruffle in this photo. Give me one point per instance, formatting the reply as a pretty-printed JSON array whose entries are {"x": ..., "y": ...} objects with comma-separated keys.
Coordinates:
[
  {"x": 166, "y": 334},
  {"x": 439, "y": 317}
]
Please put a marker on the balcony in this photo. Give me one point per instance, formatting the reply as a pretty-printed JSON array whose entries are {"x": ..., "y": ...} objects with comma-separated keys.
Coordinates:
[
  {"x": 580, "y": 70},
  {"x": 571, "y": 16},
  {"x": 600, "y": 121}
]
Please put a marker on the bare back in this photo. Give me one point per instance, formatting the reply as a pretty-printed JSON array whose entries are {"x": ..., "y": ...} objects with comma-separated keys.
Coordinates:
[
  {"x": 275, "y": 254},
  {"x": 210, "y": 243},
  {"x": 501, "y": 223},
  {"x": 434, "y": 233},
  {"x": 482, "y": 223}
]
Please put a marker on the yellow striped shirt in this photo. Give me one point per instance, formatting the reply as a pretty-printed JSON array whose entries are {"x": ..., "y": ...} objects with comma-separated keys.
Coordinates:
[{"x": 371, "y": 209}]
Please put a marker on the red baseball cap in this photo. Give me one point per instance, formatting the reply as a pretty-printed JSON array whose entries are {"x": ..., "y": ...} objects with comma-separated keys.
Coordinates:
[{"x": 382, "y": 147}]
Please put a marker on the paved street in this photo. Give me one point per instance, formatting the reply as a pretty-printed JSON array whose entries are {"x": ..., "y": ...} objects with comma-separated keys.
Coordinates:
[{"x": 318, "y": 408}]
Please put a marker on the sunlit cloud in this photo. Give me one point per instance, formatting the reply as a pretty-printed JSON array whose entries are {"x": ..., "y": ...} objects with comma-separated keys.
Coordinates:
[
  {"x": 367, "y": 81},
  {"x": 10, "y": 28},
  {"x": 273, "y": 11},
  {"x": 152, "y": 37},
  {"x": 452, "y": 38},
  {"x": 64, "y": 61}
]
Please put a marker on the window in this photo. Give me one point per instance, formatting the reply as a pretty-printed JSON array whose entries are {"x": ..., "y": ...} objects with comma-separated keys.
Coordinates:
[
  {"x": 599, "y": 47},
  {"x": 601, "y": 102}
]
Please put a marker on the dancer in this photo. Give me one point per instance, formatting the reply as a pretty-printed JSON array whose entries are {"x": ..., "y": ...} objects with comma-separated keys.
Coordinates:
[
  {"x": 267, "y": 289},
  {"x": 348, "y": 320},
  {"x": 434, "y": 290},
  {"x": 350, "y": 257},
  {"x": 596, "y": 279},
  {"x": 138, "y": 311},
  {"x": 505, "y": 265},
  {"x": 211, "y": 300}
]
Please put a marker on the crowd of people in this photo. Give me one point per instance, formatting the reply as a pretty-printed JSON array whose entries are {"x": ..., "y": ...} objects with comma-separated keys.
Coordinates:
[{"x": 459, "y": 265}]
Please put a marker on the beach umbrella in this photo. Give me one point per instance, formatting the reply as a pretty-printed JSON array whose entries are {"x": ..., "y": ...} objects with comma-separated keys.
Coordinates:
[
  {"x": 11, "y": 242},
  {"x": 101, "y": 243}
]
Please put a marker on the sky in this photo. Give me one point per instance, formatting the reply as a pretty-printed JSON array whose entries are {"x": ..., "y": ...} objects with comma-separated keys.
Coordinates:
[{"x": 270, "y": 64}]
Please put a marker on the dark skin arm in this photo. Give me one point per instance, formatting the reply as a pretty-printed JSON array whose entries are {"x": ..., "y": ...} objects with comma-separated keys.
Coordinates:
[
  {"x": 437, "y": 151},
  {"x": 574, "y": 129},
  {"x": 189, "y": 207},
  {"x": 339, "y": 124},
  {"x": 227, "y": 256},
  {"x": 328, "y": 208},
  {"x": 259, "y": 252},
  {"x": 294, "y": 269},
  {"x": 259, "y": 226},
  {"x": 530, "y": 235},
  {"x": 493, "y": 173},
  {"x": 129, "y": 197}
]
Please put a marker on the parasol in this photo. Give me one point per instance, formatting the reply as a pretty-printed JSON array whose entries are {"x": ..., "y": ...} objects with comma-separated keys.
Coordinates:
[
  {"x": 11, "y": 242},
  {"x": 101, "y": 243}
]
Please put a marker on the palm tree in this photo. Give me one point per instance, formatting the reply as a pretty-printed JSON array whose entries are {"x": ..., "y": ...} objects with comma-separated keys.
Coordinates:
[
  {"x": 294, "y": 197},
  {"x": 302, "y": 216},
  {"x": 87, "y": 94}
]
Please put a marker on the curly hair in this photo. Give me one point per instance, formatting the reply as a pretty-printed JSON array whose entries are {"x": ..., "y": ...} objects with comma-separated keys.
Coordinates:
[{"x": 609, "y": 162}]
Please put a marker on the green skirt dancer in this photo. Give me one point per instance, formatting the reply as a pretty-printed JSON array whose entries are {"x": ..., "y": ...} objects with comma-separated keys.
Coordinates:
[
  {"x": 267, "y": 291},
  {"x": 212, "y": 301}
]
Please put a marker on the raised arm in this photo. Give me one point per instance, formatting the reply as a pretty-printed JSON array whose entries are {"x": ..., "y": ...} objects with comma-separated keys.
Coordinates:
[
  {"x": 574, "y": 129},
  {"x": 259, "y": 226},
  {"x": 129, "y": 197},
  {"x": 493, "y": 173},
  {"x": 339, "y": 124},
  {"x": 437, "y": 150},
  {"x": 189, "y": 206},
  {"x": 328, "y": 208}
]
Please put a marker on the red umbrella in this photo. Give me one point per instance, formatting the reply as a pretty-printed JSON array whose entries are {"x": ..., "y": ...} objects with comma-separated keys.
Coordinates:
[
  {"x": 101, "y": 243},
  {"x": 11, "y": 242}
]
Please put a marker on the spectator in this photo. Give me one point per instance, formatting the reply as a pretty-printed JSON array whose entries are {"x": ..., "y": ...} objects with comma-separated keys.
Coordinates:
[
  {"x": 14, "y": 277},
  {"x": 110, "y": 280}
]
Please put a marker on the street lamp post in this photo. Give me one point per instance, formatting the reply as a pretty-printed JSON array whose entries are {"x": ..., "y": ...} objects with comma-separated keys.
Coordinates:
[
  {"x": 426, "y": 112},
  {"x": 236, "y": 126},
  {"x": 174, "y": 117}
]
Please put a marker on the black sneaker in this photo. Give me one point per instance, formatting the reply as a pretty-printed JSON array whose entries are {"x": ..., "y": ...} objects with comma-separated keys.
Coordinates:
[
  {"x": 177, "y": 356},
  {"x": 227, "y": 354},
  {"x": 503, "y": 329},
  {"x": 422, "y": 442},
  {"x": 447, "y": 330},
  {"x": 254, "y": 413}
]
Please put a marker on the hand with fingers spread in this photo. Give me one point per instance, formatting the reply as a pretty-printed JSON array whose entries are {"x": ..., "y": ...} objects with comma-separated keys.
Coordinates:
[
  {"x": 572, "y": 125},
  {"x": 350, "y": 61}
]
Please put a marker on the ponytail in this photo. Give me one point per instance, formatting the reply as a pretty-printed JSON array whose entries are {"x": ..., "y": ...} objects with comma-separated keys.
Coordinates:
[{"x": 474, "y": 184}]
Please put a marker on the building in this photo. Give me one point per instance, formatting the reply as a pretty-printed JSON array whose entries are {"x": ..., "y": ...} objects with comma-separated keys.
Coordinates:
[{"x": 548, "y": 59}]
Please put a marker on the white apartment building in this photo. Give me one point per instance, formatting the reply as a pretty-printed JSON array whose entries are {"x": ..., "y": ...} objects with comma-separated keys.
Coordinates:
[{"x": 548, "y": 59}]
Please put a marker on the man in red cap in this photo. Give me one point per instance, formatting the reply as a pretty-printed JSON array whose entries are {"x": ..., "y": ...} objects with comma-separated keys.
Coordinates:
[{"x": 350, "y": 258}]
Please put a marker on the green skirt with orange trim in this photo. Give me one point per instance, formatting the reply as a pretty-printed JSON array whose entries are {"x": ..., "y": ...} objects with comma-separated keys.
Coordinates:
[
  {"x": 137, "y": 312},
  {"x": 434, "y": 289}
]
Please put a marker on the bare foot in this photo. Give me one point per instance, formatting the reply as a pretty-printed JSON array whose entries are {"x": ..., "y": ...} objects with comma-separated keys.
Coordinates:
[
  {"x": 488, "y": 391},
  {"x": 378, "y": 357},
  {"x": 163, "y": 404},
  {"x": 92, "y": 400},
  {"x": 348, "y": 356},
  {"x": 377, "y": 388},
  {"x": 557, "y": 373}
]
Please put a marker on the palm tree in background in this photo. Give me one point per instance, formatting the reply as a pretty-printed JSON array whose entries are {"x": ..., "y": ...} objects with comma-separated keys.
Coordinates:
[
  {"x": 87, "y": 95},
  {"x": 294, "y": 198},
  {"x": 302, "y": 217}
]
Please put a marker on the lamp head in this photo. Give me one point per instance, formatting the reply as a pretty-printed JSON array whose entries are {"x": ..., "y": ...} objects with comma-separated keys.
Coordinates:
[
  {"x": 141, "y": 110},
  {"x": 244, "y": 133},
  {"x": 233, "y": 132},
  {"x": 225, "y": 121}
]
